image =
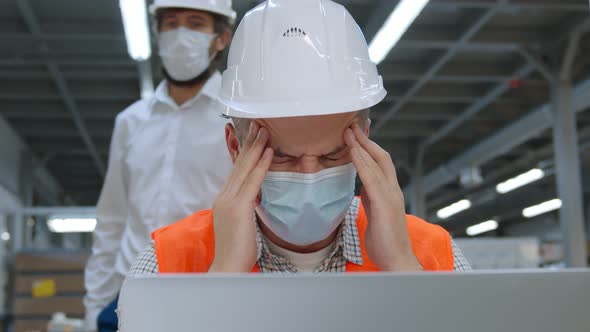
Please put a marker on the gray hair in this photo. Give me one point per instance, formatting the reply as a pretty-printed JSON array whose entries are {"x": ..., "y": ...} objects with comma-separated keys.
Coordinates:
[{"x": 242, "y": 125}]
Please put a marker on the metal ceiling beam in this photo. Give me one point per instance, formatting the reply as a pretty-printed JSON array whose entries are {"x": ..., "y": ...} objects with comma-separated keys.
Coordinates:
[
  {"x": 414, "y": 44},
  {"x": 33, "y": 25},
  {"x": 79, "y": 97},
  {"x": 539, "y": 65},
  {"x": 425, "y": 116},
  {"x": 23, "y": 97},
  {"x": 475, "y": 108},
  {"x": 50, "y": 133},
  {"x": 480, "y": 46},
  {"x": 455, "y": 78},
  {"x": 77, "y": 152},
  {"x": 70, "y": 62},
  {"x": 12, "y": 146},
  {"x": 443, "y": 100},
  {"x": 48, "y": 210},
  {"x": 527, "y": 161},
  {"x": 567, "y": 161},
  {"x": 434, "y": 69},
  {"x": 93, "y": 75},
  {"x": 504, "y": 140},
  {"x": 50, "y": 113},
  {"x": 419, "y": 195},
  {"x": 519, "y": 132},
  {"x": 454, "y": 72},
  {"x": 552, "y": 5},
  {"x": 63, "y": 37}
]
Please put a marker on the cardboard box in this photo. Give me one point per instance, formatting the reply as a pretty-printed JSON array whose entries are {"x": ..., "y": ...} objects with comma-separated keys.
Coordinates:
[
  {"x": 71, "y": 306},
  {"x": 30, "y": 325},
  {"x": 50, "y": 262},
  {"x": 59, "y": 277},
  {"x": 70, "y": 284}
]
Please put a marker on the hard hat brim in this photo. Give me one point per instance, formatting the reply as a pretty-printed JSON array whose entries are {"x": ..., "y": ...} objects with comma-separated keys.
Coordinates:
[
  {"x": 231, "y": 15},
  {"x": 310, "y": 107}
]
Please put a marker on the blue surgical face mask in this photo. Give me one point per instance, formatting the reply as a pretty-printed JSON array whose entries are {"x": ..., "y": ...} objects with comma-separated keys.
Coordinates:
[{"x": 303, "y": 209}]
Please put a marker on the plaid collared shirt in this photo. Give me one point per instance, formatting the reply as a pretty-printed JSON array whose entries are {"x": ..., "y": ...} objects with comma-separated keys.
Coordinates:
[{"x": 347, "y": 249}]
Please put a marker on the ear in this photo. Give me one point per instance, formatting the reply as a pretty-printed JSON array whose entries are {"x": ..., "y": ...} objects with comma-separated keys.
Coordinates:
[
  {"x": 232, "y": 142},
  {"x": 223, "y": 40}
]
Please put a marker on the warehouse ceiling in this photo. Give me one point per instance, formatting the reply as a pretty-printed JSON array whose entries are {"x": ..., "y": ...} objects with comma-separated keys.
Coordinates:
[{"x": 465, "y": 70}]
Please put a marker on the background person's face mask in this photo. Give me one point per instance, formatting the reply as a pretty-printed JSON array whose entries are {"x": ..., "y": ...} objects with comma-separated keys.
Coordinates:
[
  {"x": 185, "y": 52},
  {"x": 303, "y": 209}
]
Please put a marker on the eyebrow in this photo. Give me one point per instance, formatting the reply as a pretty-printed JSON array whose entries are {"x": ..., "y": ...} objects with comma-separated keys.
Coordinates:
[
  {"x": 279, "y": 153},
  {"x": 197, "y": 17},
  {"x": 173, "y": 12}
]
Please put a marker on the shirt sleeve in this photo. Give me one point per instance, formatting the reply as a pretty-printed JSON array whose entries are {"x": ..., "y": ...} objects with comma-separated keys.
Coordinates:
[
  {"x": 101, "y": 281},
  {"x": 461, "y": 263},
  {"x": 145, "y": 263}
]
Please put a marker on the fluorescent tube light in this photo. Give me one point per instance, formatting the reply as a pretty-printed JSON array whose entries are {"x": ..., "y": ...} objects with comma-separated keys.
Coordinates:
[
  {"x": 394, "y": 27},
  {"x": 136, "y": 29},
  {"x": 520, "y": 180},
  {"x": 147, "y": 92},
  {"x": 72, "y": 225},
  {"x": 483, "y": 227},
  {"x": 536, "y": 210},
  {"x": 453, "y": 209}
]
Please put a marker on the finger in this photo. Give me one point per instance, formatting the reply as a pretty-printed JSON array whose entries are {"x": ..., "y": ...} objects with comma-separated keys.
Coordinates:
[
  {"x": 251, "y": 138},
  {"x": 252, "y": 185},
  {"x": 247, "y": 161},
  {"x": 252, "y": 133},
  {"x": 371, "y": 176},
  {"x": 360, "y": 157},
  {"x": 350, "y": 140},
  {"x": 381, "y": 156},
  {"x": 244, "y": 146}
]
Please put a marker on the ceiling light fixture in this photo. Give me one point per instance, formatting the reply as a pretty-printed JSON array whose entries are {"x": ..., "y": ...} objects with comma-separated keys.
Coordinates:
[
  {"x": 71, "y": 225},
  {"x": 394, "y": 27},
  {"x": 137, "y": 33},
  {"x": 520, "y": 180},
  {"x": 481, "y": 228},
  {"x": 453, "y": 209},
  {"x": 536, "y": 210}
]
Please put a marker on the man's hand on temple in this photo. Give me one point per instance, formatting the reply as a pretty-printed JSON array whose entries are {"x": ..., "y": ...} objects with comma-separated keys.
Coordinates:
[
  {"x": 233, "y": 210},
  {"x": 387, "y": 240}
]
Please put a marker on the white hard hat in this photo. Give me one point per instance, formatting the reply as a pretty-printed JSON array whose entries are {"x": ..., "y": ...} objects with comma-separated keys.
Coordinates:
[
  {"x": 298, "y": 58},
  {"x": 221, "y": 7}
]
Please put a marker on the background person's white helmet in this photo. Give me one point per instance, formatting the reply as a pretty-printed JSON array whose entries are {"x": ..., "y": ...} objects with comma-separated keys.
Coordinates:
[
  {"x": 298, "y": 58},
  {"x": 221, "y": 7}
]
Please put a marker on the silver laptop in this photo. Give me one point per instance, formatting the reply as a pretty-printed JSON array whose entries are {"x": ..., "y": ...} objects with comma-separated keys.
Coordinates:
[{"x": 477, "y": 301}]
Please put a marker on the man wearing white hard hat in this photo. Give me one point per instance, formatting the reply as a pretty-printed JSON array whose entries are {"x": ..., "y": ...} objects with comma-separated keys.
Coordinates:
[
  {"x": 298, "y": 87},
  {"x": 167, "y": 156}
]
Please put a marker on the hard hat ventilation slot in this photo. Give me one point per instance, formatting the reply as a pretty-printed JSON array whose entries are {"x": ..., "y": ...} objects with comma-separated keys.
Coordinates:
[{"x": 294, "y": 32}]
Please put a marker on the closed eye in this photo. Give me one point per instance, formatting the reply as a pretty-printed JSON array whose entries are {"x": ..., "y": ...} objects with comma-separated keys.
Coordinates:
[
  {"x": 282, "y": 159},
  {"x": 337, "y": 155}
]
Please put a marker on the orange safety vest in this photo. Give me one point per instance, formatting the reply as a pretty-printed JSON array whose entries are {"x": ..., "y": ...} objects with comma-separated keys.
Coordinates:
[{"x": 188, "y": 246}]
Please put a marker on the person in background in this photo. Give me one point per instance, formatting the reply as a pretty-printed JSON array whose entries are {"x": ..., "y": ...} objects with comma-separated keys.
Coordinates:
[
  {"x": 167, "y": 156},
  {"x": 298, "y": 87}
]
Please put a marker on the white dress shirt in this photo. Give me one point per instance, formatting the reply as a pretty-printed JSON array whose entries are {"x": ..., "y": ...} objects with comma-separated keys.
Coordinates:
[{"x": 166, "y": 162}]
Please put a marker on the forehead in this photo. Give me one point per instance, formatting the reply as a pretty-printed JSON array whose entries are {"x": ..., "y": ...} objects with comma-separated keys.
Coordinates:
[
  {"x": 310, "y": 135},
  {"x": 185, "y": 12}
]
